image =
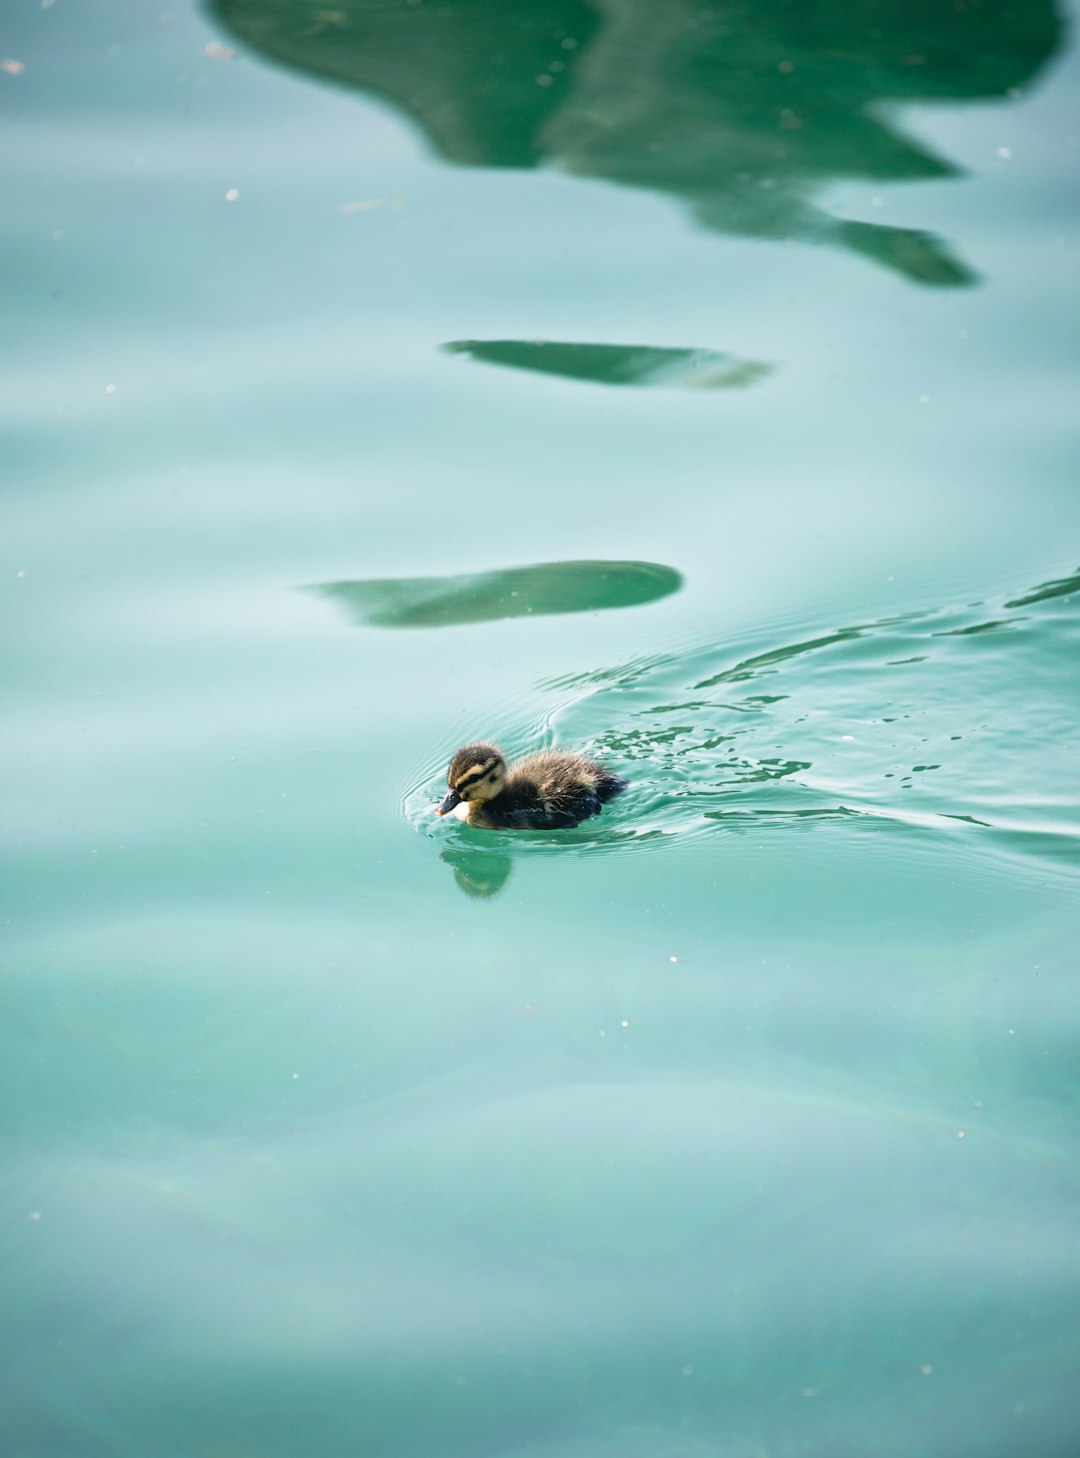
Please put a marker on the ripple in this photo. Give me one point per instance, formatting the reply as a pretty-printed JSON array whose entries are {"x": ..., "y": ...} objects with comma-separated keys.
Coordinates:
[
  {"x": 955, "y": 724},
  {"x": 1060, "y": 587}
]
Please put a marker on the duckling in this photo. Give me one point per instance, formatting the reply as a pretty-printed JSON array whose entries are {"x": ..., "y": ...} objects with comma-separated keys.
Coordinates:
[{"x": 548, "y": 791}]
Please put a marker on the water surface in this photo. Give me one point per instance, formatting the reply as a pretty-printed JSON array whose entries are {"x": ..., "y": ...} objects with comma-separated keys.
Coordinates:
[{"x": 741, "y": 1120}]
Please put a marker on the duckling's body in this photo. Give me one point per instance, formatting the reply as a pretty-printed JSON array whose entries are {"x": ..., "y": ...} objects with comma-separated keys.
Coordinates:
[{"x": 552, "y": 790}]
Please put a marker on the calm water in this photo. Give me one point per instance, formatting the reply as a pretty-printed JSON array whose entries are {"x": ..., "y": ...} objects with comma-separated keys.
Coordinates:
[{"x": 697, "y": 386}]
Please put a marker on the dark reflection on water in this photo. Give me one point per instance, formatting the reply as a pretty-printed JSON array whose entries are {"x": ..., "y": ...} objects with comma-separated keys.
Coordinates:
[
  {"x": 740, "y": 112},
  {"x": 513, "y": 592},
  {"x": 479, "y": 874},
  {"x": 618, "y": 364},
  {"x": 896, "y": 725},
  {"x": 1060, "y": 587}
]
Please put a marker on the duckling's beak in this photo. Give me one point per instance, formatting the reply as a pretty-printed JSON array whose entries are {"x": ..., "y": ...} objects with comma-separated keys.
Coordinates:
[{"x": 452, "y": 799}]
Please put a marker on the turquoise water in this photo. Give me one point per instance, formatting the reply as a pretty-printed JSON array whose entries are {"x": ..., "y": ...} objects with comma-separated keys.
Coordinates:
[{"x": 692, "y": 386}]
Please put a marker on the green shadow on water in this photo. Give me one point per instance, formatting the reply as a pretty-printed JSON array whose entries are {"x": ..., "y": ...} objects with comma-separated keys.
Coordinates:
[
  {"x": 617, "y": 364},
  {"x": 479, "y": 874},
  {"x": 514, "y": 592},
  {"x": 740, "y": 114}
]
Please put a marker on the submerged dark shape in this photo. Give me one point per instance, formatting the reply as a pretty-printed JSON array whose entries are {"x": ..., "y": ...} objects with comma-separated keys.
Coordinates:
[
  {"x": 617, "y": 364},
  {"x": 513, "y": 592},
  {"x": 740, "y": 112}
]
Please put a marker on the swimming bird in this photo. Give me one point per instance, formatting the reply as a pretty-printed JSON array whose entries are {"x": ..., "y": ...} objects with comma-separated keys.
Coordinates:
[{"x": 548, "y": 791}]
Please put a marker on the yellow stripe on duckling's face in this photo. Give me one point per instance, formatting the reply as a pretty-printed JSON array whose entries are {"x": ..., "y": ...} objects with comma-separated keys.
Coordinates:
[
  {"x": 480, "y": 781},
  {"x": 474, "y": 772}
]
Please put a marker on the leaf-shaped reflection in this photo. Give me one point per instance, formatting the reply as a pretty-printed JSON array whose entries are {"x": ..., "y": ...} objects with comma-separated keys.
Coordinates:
[
  {"x": 617, "y": 364},
  {"x": 513, "y": 592}
]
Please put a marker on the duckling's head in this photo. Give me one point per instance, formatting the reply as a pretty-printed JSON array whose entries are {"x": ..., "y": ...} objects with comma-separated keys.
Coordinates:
[{"x": 477, "y": 772}]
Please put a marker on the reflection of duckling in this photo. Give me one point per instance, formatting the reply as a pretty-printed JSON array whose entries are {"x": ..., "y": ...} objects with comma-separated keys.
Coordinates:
[
  {"x": 547, "y": 791},
  {"x": 480, "y": 874}
]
